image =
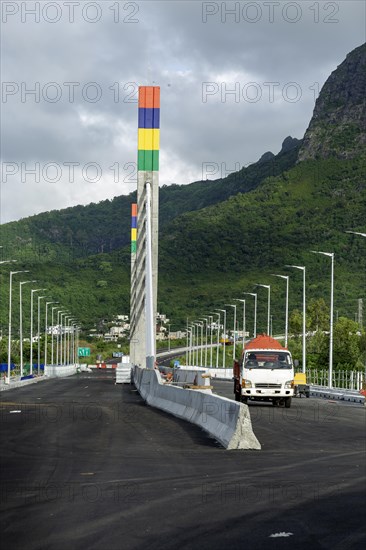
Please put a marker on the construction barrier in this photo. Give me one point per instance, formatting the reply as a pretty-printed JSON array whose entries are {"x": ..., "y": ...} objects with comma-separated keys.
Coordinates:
[{"x": 226, "y": 420}]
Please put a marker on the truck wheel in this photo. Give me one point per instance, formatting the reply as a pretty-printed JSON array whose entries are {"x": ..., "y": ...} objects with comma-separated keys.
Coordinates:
[
  {"x": 307, "y": 394},
  {"x": 244, "y": 400},
  {"x": 288, "y": 402}
]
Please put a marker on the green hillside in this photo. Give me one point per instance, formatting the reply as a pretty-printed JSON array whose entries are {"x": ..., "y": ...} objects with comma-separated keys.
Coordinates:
[{"x": 79, "y": 231}]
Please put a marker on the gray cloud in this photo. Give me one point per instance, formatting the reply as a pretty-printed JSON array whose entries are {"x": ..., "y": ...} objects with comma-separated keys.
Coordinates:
[{"x": 171, "y": 46}]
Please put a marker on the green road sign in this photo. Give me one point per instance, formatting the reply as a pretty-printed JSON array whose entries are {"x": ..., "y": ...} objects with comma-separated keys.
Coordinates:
[{"x": 83, "y": 352}]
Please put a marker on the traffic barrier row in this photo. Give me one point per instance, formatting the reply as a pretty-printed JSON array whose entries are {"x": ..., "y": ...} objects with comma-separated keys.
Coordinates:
[
  {"x": 226, "y": 420},
  {"x": 59, "y": 371},
  {"x": 341, "y": 395}
]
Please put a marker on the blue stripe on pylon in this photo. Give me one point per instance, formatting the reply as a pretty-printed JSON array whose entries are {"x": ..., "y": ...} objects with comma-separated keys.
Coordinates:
[{"x": 149, "y": 118}]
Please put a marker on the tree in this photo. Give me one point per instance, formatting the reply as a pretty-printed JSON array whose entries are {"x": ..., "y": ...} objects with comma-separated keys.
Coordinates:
[
  {"x": 346, "y": 343},
  {"x": 295, "y": 322},
  {"x": 318, "y": 315}
]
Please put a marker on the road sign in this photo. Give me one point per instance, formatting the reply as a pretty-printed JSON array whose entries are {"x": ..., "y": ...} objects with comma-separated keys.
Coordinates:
[{"x": 83, "y": 352}]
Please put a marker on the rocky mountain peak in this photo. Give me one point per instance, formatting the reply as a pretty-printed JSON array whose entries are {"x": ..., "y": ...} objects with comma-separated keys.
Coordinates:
[{"x": 338, "y": 126}]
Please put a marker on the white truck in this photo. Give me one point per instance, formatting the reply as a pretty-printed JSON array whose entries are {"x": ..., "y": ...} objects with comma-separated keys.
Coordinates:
[{"x": 265, "y": 372}]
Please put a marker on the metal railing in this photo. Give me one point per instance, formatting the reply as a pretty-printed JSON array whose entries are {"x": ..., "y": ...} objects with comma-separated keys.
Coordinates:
[{"x": 341, "y": 379}]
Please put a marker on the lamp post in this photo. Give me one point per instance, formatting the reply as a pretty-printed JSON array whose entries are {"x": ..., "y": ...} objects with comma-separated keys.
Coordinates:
[
  {"x": 169, "y": 337},
  {"x": 201, "y": 354},
  {"x": 45, "y": 332},
  {"x": 268, "y": 287},
  {"x": 302, "y": 268},
  {"x": 197, "y": 340},
  {"x": 244, "y": 328},
  {"x": 187, "y": 342},
  {"x": 31, "y": 329},
  {"x": 210, "y": 320},
  {"x": 224, "y": 338},
  {"x": 39, "y": 332},
  {"x": 205, "y": 319},
  {"x": 331, "y": 256},
  {"x": 9, "y": 342},
  {"x": 287, "y": 279},
  {"x": 357, "y": 233},
  {"x": 52, "y": 322},
  {"x": 21, "y": 324},
  {"x": 58, "y": 339},
  {"x": 66, "y": 337},
  {"x": 234, "y": 348},
  {"x": 62, "y": 338},
  {"x": 218, "y": 337},
  {"x": 255, "y": 311}
]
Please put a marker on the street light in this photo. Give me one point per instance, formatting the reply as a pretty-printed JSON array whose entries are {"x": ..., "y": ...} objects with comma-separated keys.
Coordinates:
[
  {"x": 234, "y": 348},
  {"x": 268, "y": 287},
  {"x": 31, "y": 329},
  {"x": 189, "y": 343},
  {"x": 198, "y": 325},
  {"x": 287, "y": 278},
  {"x": 45, "y": 332},
  {"x": 59, "y": 339},
  {"x": 357, "y": 233},
  {"x": 218, "y": 337},
  {"x": 303, "y": 269},
  {"x": 169, "y": 336},
  {"x": 206, "y": 338},
  {"x": 52, "y": 322},
  {"x": 244, "y": 328},
  {"x": 66, "y": 337},
  {"x": 9, "y": 343},
  {"x": 330, "y": 255},
  {"x": 21, "y": 324},
  {"x": 62, "y": 337},
  {"x": 210, "y": 320},
  {"x": 224, "y": 337},
  {"x": 39, "y": 332},
  {"x": 255, "y": 311}
]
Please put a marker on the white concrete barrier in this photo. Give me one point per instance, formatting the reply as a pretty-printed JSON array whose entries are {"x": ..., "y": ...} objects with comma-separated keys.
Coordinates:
[
  {"x": 192, "y": 376},
  {"x": 226, "y": 420},
  {"x": 59, "y": 371},
  {"x": 20, "y": 383},
  {"x": 335, "y": 393},
  {"x": 123, "y": 373},
  {"x": 226, "y": 374}
]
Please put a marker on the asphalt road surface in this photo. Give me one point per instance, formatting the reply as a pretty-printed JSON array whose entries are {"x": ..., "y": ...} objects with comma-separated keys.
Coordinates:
[{"x": 85, "y": 464}]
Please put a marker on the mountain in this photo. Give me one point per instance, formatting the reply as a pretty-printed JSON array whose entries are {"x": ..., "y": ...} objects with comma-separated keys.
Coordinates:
[
  {"x": 219, "y": 238},
  {"x": 338, "y": 126},
  {"x": 80, "y": 231}
]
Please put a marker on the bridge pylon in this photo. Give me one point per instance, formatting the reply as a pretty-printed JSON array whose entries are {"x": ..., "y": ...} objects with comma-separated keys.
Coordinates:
[{"x": 145, "y": 231}]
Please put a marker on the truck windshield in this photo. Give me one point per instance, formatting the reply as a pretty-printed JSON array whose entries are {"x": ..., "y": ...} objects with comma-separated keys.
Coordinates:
[{"x": 267, "y": 360}]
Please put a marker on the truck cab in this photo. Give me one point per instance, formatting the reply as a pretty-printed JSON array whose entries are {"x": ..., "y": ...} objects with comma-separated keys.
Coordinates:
[{"x": 265, "y": 372}]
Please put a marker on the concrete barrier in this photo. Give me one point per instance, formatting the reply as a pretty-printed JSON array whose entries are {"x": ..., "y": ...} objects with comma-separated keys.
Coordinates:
[
  {"x": 335, "y": 393},
  {"x": 123, "y": 373},
  {"x": 59, "y": 371},
  {"x": 20, "y": 383},
  {"x": 225, "y": 420}
]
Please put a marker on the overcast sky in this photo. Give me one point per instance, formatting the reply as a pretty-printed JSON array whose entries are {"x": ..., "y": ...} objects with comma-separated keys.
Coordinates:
[{"x": 73, "y": 140}]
